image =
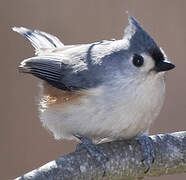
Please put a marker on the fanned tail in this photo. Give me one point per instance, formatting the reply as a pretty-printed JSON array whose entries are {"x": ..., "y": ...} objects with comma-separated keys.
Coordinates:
[
  {"x": 39, "y": 39},
  {"x": 44, "y": 67}
]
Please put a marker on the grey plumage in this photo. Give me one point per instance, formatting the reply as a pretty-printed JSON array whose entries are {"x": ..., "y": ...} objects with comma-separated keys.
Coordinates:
[
  {"x": 93, "y": 68},
  {"x": 118, "y": 98}
]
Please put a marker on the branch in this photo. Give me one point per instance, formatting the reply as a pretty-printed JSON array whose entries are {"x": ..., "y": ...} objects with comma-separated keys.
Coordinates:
[{"x": 124, "y": 161}]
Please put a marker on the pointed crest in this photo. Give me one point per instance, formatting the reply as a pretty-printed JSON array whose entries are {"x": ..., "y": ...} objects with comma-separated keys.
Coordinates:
[{"x": 137, "y": 37}]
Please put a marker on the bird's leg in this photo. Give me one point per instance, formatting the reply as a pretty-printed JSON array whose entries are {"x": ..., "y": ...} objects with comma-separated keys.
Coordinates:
[
  {"x": 93, "y": 149},
  {"x": 147, "y": 148}
]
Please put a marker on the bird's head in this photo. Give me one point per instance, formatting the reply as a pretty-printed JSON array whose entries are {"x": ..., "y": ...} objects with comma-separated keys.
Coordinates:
[{"x": 145, "y": 56}]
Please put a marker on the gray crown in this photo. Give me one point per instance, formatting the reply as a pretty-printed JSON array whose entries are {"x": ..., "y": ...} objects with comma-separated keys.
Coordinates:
[{"x": 141, "y": 41}]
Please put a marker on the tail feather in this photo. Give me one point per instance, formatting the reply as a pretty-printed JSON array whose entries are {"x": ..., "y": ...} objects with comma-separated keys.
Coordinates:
[{"x": 39, "y": 39}]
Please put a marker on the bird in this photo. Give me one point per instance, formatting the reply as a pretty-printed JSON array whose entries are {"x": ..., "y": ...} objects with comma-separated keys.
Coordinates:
[{"x": 98, "y": 92}]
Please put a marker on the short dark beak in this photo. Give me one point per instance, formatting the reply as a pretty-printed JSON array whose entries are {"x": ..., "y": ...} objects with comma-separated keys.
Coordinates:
[{"x": 164, "y": 66}]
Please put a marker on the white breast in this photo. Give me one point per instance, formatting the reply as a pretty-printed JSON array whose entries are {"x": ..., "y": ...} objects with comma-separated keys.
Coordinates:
[{"x": 113, "y": 113}]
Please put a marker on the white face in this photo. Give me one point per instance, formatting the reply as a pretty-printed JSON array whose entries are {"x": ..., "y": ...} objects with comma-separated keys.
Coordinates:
[
  {"x": 144, "y": 64},
  {"x": 148, "y": 64}
]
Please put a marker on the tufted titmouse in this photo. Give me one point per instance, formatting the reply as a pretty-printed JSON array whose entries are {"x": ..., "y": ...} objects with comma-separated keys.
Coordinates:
[{"x": 102, "y": 91}]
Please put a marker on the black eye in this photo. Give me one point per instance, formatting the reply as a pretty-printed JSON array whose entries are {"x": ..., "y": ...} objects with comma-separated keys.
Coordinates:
[{"x": 138, "y": 60}]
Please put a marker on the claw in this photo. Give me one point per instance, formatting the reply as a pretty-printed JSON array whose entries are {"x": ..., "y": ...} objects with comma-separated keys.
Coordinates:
[
  {"x": 148, "y": 151},
  {"x": 94, "y": 150}
]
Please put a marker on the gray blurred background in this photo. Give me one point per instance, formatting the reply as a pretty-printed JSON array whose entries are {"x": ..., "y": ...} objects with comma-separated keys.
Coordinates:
[{"x": 24, "y": 144}]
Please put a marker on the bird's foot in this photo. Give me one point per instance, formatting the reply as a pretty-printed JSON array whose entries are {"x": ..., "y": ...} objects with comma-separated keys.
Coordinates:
[
  {"x": 100, "y": 156},
  {"x": 148, "y": 151}
]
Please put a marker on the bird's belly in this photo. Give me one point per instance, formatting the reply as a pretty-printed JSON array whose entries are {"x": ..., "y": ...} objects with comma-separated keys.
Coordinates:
[{"x": 101, "y": 120}]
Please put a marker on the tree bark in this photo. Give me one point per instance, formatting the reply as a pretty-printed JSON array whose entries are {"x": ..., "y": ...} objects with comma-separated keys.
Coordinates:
[{"x": 125, "y": 161}]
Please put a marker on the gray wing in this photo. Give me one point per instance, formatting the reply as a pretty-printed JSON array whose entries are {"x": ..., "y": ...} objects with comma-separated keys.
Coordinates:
[
  {"x": 58, "y": 74},
  {"x": 73, "y": 67}
]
